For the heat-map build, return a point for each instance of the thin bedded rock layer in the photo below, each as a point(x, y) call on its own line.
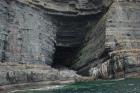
point(122, 42)
point(17, 74)
point(70, 7)
point(27, 35)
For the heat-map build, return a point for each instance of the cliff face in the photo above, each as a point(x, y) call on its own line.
point(122, 42)
point(47, 32)
point(69, 38)
point(93, 46)
point(79, 34)
point(27, 34)
point(29, 28)
point(70, 7)
point(123, 35)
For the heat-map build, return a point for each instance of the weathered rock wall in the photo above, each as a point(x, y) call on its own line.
point(71, 34)
point(123, 32)
point(123, 23)
point(93, 48)
point(70, 7)
point(19, 73)
point(27, 34)
point(28, 28)
point(77, 33)
point(3, 23)
point(72, 30)
point(122, 42)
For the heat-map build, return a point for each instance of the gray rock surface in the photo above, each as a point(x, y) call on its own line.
point(17, 73)
point(27, 35)
point(122, 33)
point(94, 45)
point(70, 7)
point(79, 34)
point(122, 40)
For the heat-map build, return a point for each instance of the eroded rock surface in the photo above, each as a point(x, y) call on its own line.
point(70, 7)
point(31, 32)
point(27, 35)
point(80, 34)
point(122, 42)
point(18, 73)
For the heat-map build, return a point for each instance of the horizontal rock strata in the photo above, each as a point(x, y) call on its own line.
point(17, 73)
point(79, 34)
point(122, 42)
point(70, 7)
point(27, 35)
point(31, 31)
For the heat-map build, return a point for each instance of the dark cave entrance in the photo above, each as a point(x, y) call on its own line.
point(71, 32)
point(64, 56)
point(70, 38)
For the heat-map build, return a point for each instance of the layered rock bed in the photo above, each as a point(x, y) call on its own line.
point(23, 73)
point(28, 76)
point(83, 40)
point(21, 76)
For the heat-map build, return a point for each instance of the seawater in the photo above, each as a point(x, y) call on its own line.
point(100, 86)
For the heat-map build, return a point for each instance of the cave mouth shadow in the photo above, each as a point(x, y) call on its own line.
point(71, 36)
point(64, 57)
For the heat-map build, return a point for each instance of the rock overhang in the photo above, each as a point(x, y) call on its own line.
point(70, 7)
